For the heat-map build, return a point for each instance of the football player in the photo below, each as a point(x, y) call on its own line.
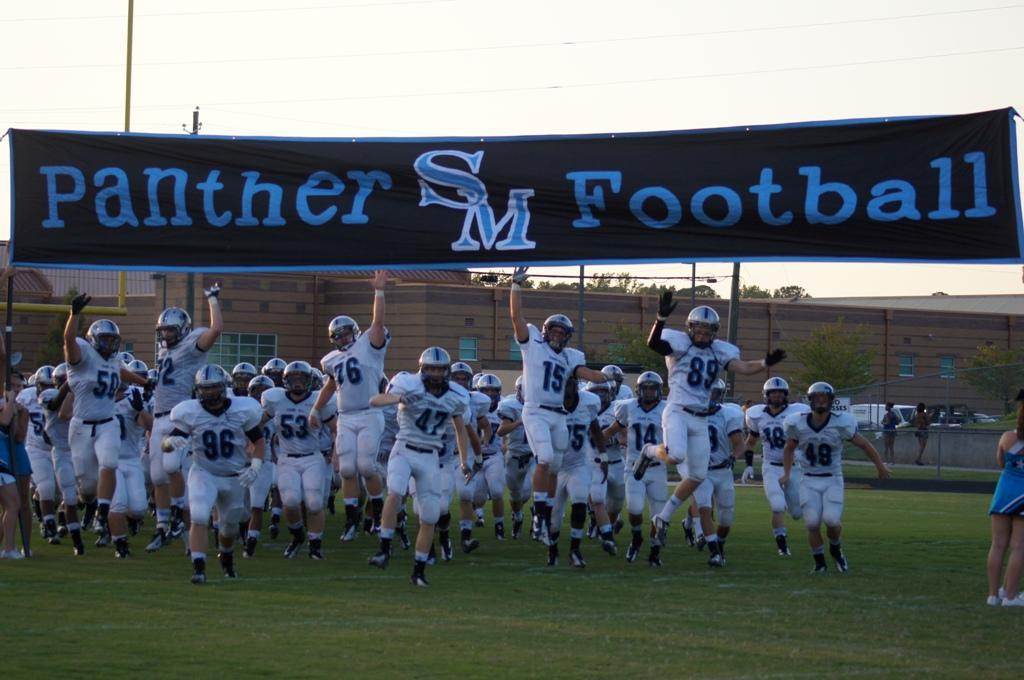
point(614, 374)
point(354, 370)
point(491, 483)
point(766, 422)
point(300, 464)
point(56, 425)
point(520, 462)
point(602, 470)
point(548, 364)
point(647, 478)
point(817, 438)
point(478, 419)
point(94, 372)
point(274, 369)
point(574, 476)
point(260, 489)
point(427, 402)
point(725, 433)
point(182, 351)
point(216, 427)
point(694, 359)
point(38, 447)
point(135, 418)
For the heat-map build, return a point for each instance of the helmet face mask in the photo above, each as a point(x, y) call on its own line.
point(490, 385)
point(258, 385)
point(702, 325)
point(648, 387)
point(211, 386)
point(461, 374)
point(776, 392)
point(297, 378)
point(613, 372)
point(435, 368)
point(602, 391)
point(172, 326)
point(274, 369)
point(343, 332)
point(105, 337)
point(44, 378)
point(820, 396)
point(556, 331)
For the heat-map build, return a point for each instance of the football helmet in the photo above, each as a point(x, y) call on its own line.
point(274, 369)
point(475, 382)
point(211, 385)
point(432, 359)
point(817, 390)
point(139, 368)
point(318, 379)
point(105, 337)
point(60, 374)
point(343, 332)
point(702, 318)
point(126, 357)
point(648, 387)
point(298, 377)
point(44, 378)
point(718, 389)
point(775, 384)
point(557, 321)
point(490, 384)
point(241, 374)
point(519, 389)
point(258, 385)
point(461, 374)
point(613, 372)
point(603, 390)
point(153, 375)
point(172, 326)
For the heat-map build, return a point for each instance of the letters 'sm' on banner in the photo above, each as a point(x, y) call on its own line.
point(941, 188)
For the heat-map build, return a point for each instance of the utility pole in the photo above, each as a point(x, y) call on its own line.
point(582, 324)
point(190, 281)
point(734, 319)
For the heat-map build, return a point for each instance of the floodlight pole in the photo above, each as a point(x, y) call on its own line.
point(579, 313)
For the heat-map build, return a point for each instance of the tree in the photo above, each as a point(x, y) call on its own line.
point(996, 373)
point(835, 355)
point(790, 293)
point(754, 292)
point(51, 351)
point(629, 346)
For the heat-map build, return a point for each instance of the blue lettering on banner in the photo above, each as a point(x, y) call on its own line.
point(118, 191)
point(180, 177)
point(55, 197)
point(595, 199)
point(478, 210)
point(209, 188)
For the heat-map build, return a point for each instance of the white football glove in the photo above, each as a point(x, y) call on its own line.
point(747, 476)
point(249, 475)
point(172, 444)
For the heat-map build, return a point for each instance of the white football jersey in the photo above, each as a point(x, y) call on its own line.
point(821, 450)
point(357, 372)
point(545, 370)
point(219, 440)
point(55, 428)
point(511, 409)
point(493, 445)
point(642, 426)
point(612, 446)
point(578, 422)
point(771, 428)
point(178, 366)
point(693, 370)
point(94, 380)
point(133, 435)
point(477, 405)
point(295, 436)
point(36, 438)
point(721, 424)
point(423, 423)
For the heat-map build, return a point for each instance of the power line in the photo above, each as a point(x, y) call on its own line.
point(529, 88)
point(517, 46)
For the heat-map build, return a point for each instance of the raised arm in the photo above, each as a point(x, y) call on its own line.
point(515, 305)
point(377, 335)
point(72, 354)
point(749, 367)
point(209, 337)
point(665, 308)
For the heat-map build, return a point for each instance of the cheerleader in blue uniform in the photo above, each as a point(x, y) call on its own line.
point(1007, 511)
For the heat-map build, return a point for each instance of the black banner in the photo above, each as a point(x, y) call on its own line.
point(916, 189)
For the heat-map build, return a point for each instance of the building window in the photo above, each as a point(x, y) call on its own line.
point(906, 365)
point(129, 347)
point(515, 353)
point(947, 366)
point(467, 349)
point(233, 348)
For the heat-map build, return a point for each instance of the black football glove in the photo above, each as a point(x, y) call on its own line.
point(774, 357)
point(665, 304)
point(79, 303)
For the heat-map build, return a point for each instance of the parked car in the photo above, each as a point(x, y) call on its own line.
point(959, 414)
point(870, 415)
point(983, 418)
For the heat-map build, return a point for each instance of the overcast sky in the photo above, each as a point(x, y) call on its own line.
point(466, 67)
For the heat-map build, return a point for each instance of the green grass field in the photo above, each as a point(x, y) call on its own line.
point(912, 606)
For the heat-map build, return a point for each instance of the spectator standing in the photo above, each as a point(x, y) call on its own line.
point(921, 422)
point(889, 422)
